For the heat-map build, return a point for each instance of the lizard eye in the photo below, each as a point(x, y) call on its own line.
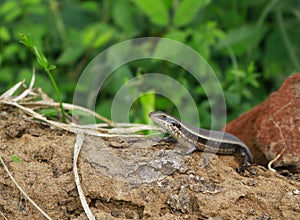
point(163, 117)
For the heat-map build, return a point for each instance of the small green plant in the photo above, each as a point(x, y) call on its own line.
point(42, 60)
point(15, 158)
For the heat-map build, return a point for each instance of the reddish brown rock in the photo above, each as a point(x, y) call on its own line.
point(273, 126)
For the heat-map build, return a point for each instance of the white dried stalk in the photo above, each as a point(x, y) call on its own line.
point(3, 216)
point(27, 91)
point(22, 191)
point(281, 152)
point(77, 147)
point(11, 91)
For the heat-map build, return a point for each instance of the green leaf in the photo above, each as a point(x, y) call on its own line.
point(252, 79)
point(40, 57)
point(49, 112)
point(51, 67)
point(177, 35)
point(238, 73)
point(155, 10)
point(4, 34)
point(102, 39)
point(97, 34)
point(123, 16)
point(11, 50)
point(187, 11)
point(71, 54)
point(10, 11)
point(15, 158)
point(148, 103)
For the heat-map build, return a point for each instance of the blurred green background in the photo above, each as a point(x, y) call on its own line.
point(252, 45)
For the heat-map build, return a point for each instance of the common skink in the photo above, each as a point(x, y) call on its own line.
point(201, 139)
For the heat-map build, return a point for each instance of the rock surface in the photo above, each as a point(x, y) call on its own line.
point(273, 127)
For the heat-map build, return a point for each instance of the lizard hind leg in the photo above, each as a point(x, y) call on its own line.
point(189, 150)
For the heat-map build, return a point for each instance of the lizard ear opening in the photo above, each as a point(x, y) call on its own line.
point(176, 125)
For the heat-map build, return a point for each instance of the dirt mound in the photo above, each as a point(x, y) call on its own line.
point(189, 187)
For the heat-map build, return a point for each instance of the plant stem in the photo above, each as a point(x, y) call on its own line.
point(58, 95)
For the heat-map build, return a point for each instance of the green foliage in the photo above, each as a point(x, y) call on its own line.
point(251, 45)
point(187, 11)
